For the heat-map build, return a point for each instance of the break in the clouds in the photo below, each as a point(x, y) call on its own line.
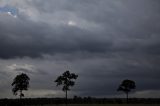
point(102, 41)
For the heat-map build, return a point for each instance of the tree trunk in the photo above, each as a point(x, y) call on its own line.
point(66, 98)
point(20, 95)
point(127, 97)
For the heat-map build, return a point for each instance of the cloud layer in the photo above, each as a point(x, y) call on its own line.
point(103, 41)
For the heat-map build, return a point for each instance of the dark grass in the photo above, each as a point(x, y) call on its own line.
point(86, 101)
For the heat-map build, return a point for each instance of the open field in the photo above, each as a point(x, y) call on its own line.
point(102, 105)
point(81, 102)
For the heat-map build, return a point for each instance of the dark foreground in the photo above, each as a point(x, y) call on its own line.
point(105, 105)
point(87, 101)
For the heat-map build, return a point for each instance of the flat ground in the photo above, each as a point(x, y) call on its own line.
point(105, 105)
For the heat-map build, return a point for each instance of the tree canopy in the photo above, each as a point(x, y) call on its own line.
point(126, 86)
point(66, 79)
point(20, 83)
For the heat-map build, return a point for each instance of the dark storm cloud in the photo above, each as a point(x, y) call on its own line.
point(22, 37)
point(104, 41)
point(103, 78)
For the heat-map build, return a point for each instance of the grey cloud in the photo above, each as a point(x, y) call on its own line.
point(123, 44)
point(27, 38)
point(103, 75)
point(21, 39)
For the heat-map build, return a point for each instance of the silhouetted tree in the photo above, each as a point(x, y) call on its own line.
point(20, 83)
point(126, 86)
point(66, 79)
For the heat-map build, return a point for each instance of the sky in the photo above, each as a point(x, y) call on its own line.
point(103, 41)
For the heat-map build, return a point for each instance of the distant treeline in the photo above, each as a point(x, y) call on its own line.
point(76, 100)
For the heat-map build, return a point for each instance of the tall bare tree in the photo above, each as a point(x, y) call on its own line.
point(20, 83)
point(126, 87)
point(67, 81)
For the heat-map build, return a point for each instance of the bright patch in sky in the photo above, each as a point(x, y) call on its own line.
point(71, 23)
point(25, 67)
point(9, 13)
point(9, 10)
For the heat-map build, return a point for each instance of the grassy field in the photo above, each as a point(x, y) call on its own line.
point(104, 105)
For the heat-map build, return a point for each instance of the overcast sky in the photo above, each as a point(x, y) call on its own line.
point(103, 41)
